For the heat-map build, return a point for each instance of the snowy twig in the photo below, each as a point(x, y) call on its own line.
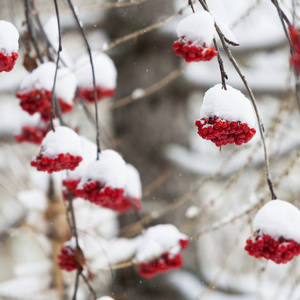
point(252, 98)
point(29, 27)
point(93, 74)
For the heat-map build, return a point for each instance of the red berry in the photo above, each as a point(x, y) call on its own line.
point(30, 134)
point(279, 250)
point(7, 62)
point(222, 132)
point(87, 94)
point(66, 259)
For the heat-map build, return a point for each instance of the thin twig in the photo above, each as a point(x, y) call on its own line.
point(252, 98)
point(76, 284)
point(93, 74)
point(221, 65)
point(89, 286)
point(191, 5)
point(29, 27)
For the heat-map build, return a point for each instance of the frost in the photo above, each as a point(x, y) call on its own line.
point(9, 38)
point(133, 187)
point(62, 140)
point(230, 105)
point(109, 170)
point(157, 240)
point(278, 218)
point(105, 71)
point(198, 28)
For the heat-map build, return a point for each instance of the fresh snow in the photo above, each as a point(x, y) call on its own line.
point(34, 199)
point(278, 218)
point(105, 298)
point(62, 140)
point(105, 71)
point(157, 240)
point(230, 105)
point(198, 28)
point(109, 170)
point(9, 38)
point(133, 187)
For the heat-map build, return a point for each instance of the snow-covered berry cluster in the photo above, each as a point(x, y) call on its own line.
point(159, 250)
point(60, 150)
point(294, 34)
point(226, 117)
point(277, 236)
point(9, 46)
point(105, 77)
point(195, 34)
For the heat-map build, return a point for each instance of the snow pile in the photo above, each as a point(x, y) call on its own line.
point(197, 28)
point(109, 170)
point(230, 105)
point(278, 218)
point(9, 38)
point(105, 71)
point(157, 240)
point(62, 140)
point(133, 187)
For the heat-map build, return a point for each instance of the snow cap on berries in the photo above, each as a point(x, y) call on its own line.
point(109, 170)
point(133, 187)
point(61, 141)
point(197, 28)
point(9, 38)
point(43, 76)
point(278, 218)
point(157, 240)
point(230, 105)
point(105, 71)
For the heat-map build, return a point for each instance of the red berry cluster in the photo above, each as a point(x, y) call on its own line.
point(191, 52)
point(69, 187)
point(123, 205)
point(295, 39)
point(66, 259)
point(96, 193)
point(222, 132)
point(88, 93)
point(55, 164)
point(279, 250)
point(31, 134)
point(7, 62)
point(163, 263)
point(40, 101)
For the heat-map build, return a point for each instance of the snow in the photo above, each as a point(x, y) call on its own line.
point(230, 105)
point(198, 28)
point(105, 71)
point(9, 38)
point(62, 140)
point(109, 170)
point(278, 218)
point(89, 153)
point(32, 268)
point(157, 240)
point(43, 77)
point(133, 187)
point(105, 298)
point(34, 199)
point(71, 243)
point(192, 212)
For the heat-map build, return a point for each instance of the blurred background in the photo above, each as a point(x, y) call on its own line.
point(210, 194)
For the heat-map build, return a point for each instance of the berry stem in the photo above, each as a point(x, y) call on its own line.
point(54, 103)
point(252, 98)
point(93, 74)
point(76, 284)
point(89, 286)
point(221, 65)
point(29, 27)
point(192, 5)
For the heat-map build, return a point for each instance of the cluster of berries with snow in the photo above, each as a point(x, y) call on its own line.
point(195, 34)
point(111, 183)
point(159, 250)
point(295, 40)
point(105, 77)
point(277, 232)
point(60, 150)
point(67, 257)
point(9, 46)
point(226, 117)
point(36, 90)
